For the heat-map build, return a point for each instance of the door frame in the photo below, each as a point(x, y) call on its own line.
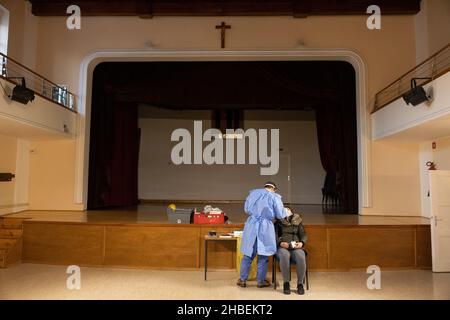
point(434, 174)
point(92, 60)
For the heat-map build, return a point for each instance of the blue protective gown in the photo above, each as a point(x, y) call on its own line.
point(262, 206)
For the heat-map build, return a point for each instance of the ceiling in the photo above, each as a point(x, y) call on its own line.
point(295, 8)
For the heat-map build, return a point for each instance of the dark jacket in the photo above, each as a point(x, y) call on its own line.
point(290, 229)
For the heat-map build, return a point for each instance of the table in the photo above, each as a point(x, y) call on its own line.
point(213, 238)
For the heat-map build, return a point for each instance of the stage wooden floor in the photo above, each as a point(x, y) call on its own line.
point(156, 213)
point(143, 238)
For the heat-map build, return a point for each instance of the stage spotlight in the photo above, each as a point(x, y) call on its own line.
point(21, 93)
point(417, 94)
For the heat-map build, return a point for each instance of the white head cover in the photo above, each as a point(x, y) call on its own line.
point(270, 185)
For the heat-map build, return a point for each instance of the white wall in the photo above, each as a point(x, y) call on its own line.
point(432, 28)
point(421, 33)
point(160, 179)
point(22, 173)
point(441, 155)
point(14, 158)
point(425, 155)
point(23, 32)
point(7, 164)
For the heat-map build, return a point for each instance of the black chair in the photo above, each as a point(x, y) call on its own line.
point(276, 259)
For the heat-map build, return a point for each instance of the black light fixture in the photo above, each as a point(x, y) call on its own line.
point(6, 177)
point(21, 93)
point(417, 94)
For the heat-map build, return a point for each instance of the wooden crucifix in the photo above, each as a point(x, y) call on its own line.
point(223, 27)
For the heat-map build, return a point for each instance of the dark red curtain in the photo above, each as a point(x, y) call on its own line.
point(125, 156)
point(337, 139)
point(114, 148)
point(114, 157)
point(325, 122)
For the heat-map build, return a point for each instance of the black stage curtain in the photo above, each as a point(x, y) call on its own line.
point(114, 149)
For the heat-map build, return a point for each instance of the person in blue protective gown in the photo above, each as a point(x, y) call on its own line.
point(258, 238)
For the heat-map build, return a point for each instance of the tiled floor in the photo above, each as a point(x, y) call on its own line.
point(30, 281)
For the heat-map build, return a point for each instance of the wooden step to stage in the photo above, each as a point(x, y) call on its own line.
point(11, 232)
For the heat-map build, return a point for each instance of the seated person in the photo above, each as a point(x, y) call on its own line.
point(291, 238)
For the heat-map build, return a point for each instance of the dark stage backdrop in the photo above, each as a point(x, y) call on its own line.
point(328, 87)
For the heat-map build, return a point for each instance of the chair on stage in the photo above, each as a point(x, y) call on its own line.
point(276, 258)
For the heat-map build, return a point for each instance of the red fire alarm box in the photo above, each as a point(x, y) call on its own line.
point(209, 218)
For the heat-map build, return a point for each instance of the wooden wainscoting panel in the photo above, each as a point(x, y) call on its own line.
point(15, 254)
point(388, 247)
point(62, 243)
point(423, 247)
point(151, 246)
point(317, 248)
point(221, 254)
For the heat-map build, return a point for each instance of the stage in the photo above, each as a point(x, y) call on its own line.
point(142, 237)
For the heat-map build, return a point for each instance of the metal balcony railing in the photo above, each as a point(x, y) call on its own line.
point(432, 68)
point(14, 71)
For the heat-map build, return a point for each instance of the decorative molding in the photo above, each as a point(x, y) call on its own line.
point(92, 60)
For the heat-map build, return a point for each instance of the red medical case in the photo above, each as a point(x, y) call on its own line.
point(209, 218)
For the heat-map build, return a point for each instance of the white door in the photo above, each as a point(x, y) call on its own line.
point(440, 219)
point(283, 178)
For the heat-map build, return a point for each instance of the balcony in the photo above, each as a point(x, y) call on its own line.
point(51, 115)
point(14, 72)
point(393, 118)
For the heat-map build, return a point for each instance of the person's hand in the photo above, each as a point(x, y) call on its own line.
point(299, 245)
point(284, 245)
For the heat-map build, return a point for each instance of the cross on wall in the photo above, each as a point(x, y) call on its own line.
point(223, 28)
